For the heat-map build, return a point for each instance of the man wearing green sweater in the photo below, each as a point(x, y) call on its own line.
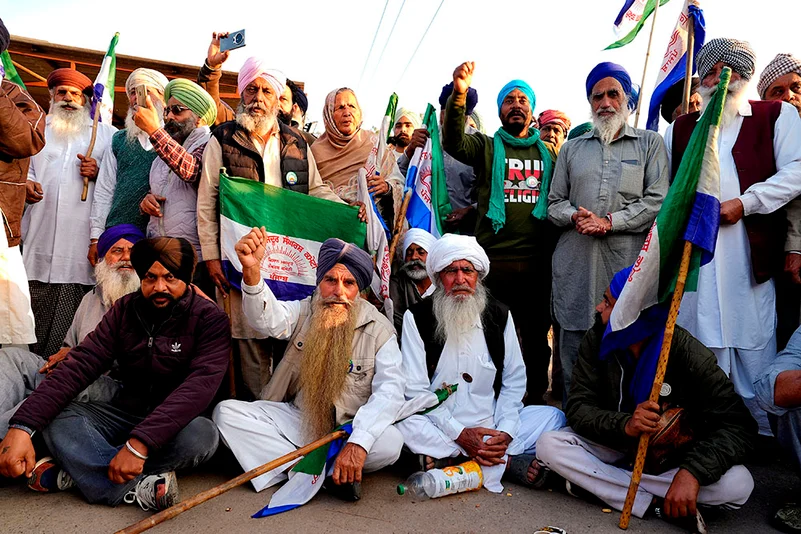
point(513, 173)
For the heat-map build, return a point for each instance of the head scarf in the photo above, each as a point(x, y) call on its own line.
point(5, 38)
point(517, 84)
point(253, 68)
point(674, 96)
point(736, 54)
point(357, 261)
point(608, 70)
point(176, 254)
point(649, 325)
point(149, 77)
point(298, 96)
point(450, 248)
point(337, 138)
point(413, 117)
point(420, 237)
point(782, 64)
point(194, 97)
point(580, 130)
point(111, 235)
point(552, 116)
point(470, 105)
point(72, 78)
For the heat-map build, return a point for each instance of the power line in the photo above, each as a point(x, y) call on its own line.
point(389, 38)
point(419, 43)
point(367, 59)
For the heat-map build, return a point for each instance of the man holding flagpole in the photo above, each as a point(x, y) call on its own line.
point(734, 310)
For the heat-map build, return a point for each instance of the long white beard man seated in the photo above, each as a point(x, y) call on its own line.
point(342, 363)
point(462, 335)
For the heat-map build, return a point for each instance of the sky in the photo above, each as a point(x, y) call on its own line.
point(327, 44)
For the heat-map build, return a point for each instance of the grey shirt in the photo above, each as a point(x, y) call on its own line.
point(627, 180)
point(87, 317)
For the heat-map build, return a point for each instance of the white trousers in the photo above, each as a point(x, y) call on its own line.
point(261, 431)
point(589, 465)
point(423, 437)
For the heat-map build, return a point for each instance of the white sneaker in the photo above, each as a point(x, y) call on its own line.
point(155, 492)
point(48, 476)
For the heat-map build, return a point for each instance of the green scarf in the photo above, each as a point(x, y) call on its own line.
point(497, 208)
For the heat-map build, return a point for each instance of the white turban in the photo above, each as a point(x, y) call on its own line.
point(253, 68)
point(149, 77)
point(413, 117)
point(419, 236)
point(450, 248)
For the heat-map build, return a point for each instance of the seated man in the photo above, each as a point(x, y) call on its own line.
point(778, 391)
point(462, 335)
point(171, 346)
point(608, 410)
point(342, 363)
point(22, 371)
point(409, 283)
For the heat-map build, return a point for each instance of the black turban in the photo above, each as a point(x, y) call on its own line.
point(472, 98)
point(5, 38)
point(298, 96)
point(176, 254)
point(357, 261)
point(674, 97)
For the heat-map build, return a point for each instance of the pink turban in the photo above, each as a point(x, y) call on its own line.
point(552, 116)
point(256, 68)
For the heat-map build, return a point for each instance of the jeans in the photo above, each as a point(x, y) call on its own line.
point(86, 436)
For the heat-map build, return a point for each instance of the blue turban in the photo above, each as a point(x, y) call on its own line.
point(114, 234)
point(618, 281)
point(517, 84)
point(472, 98)
point(609, 70)
point(357, 261)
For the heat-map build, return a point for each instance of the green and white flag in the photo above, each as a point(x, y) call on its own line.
point(10, 71)
point(104, 83)
point(631, 19)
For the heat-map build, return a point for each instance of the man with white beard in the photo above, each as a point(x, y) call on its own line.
point(462, 335)
point(258, 147)
point(734, 310)
point(342, 363)
point(607, 188)
point(410, 282)
point(124, 177)
point(22, 371)
point(57, 220)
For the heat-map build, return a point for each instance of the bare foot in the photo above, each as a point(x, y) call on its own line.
point(533, 471)
point(429, 463)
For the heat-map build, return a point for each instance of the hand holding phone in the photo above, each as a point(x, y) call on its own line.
point(233, 41)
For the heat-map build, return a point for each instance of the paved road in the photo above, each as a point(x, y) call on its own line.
point(381, 510)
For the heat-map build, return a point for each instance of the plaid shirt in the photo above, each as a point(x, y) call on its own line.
point(186, 165)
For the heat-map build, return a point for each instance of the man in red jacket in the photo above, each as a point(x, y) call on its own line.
point(171, 346)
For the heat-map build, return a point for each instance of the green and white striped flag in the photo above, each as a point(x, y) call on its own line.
point(104, 83)
point(631, 19)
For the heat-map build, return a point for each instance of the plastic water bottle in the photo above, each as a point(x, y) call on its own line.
point(436, 483)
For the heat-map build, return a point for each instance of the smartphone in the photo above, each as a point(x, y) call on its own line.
point(233, 41)
point(141, 96)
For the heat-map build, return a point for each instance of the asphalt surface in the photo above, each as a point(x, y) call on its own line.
point(517, 509)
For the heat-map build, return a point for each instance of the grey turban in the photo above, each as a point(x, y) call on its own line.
point(357, 261)
point(781, 65)
point(736, 54)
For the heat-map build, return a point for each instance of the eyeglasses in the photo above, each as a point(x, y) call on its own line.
point(175, 110)
point(467, 271)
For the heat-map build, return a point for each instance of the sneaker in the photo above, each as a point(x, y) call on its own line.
point(155, 492)
point(788, 518)
point(47, 476)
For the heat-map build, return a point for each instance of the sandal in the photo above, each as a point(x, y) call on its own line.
point(518, 471)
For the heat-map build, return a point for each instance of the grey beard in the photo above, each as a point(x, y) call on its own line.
point(132, 131)
point(608, 127)
point(734, 98)
point(115, 284)
point(258, 124)
point(456, 315)
point(68, 124)
point(415, 274)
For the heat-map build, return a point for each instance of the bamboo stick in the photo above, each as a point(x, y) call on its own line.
point(645, 67)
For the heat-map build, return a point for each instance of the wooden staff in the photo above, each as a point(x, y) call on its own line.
point(231, 376)
point(642, 448)
point(399, 224)
point(688, 72)
point(204, 496)
point(90, 150)
point(645, 67)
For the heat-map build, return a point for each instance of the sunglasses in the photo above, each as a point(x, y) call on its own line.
point(175, 110)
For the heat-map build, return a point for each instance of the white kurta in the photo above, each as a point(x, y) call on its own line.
point(16, 317)
point(730, 310)
point(55, 231)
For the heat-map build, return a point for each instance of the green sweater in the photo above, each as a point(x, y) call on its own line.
point(523, 237)
point(724, 431)
point(133, 181)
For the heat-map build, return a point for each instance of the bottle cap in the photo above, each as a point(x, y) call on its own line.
point(401, 489)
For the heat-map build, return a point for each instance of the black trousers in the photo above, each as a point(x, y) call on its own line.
point(525, 286)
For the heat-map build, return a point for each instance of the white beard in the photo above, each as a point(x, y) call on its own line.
point(608, 127)
point(68, 124)
point(415, 274)
point(734, 99)
point(457, 314)
point(132, 131)
point(115, 284)
point(258, 124)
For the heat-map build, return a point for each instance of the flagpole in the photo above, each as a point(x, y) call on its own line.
point(688, 72)
point(399, 223)
point(89, 150)
point(645, 67)
point(204, 496)
point(656, 389)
